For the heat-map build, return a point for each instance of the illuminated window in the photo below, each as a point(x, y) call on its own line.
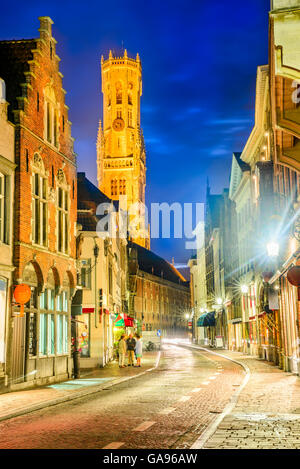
point(51, 117)
point(118, 93)
point(122, 186)
point(39, 209)
point(114, 187)
point(130, 122)
point(63, 220)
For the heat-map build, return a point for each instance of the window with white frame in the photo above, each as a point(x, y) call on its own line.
point(85, 273)
point(47, 334)
point(3, 214)
point(39, 209)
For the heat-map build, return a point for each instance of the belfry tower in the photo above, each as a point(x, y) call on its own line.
point(121, 157)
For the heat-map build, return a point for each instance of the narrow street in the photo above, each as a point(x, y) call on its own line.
point(168, 408)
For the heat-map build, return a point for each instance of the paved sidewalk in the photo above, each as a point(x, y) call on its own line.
point(17, 403)
point(267, 413)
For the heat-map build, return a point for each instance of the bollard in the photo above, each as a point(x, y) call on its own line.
point(76, 363)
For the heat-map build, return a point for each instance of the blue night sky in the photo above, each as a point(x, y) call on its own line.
point(199, 63)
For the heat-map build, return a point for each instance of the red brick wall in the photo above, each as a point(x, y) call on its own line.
point(43, 71)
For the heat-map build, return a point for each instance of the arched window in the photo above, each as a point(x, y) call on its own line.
point(118, 92)
point(47, 317)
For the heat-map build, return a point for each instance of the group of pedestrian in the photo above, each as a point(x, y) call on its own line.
point(132, 346)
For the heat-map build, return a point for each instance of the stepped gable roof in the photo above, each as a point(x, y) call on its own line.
point(14, 58)
point(88, 199)
point(151, 263)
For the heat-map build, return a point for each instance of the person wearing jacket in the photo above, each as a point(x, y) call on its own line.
point(122, 351)
point(138, 350)
point(131, 347)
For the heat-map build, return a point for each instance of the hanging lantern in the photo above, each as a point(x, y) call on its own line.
point(22, 294)
point(293, 275)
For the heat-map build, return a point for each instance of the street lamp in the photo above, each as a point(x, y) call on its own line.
point(244, 289)
point(273, 249)
point(219, 301)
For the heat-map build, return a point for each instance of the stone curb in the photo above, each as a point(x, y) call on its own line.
point(76, 395)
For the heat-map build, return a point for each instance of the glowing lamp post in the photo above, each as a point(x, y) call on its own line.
point(244, 289)
point(273, 249)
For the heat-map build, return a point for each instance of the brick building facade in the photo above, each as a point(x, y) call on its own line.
point(45, 208)
point(159, 295)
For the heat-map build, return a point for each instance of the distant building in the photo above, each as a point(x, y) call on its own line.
point(102, 275)
point(45, 209)
point(159, 294)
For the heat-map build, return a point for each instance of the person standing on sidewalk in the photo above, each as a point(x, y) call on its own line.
point(138, 350)
point(122, 351)
point(131, 347)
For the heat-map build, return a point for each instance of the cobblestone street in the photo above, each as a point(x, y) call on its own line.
point(172, 407)
point(267, 414)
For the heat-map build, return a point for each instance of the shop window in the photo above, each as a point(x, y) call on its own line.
point(62, 333)
point(47, 334)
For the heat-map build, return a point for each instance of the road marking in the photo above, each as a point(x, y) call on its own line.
point(167, 411)
point(184, 399)
point(144, 426)
point(196, 390)
point(114, 445)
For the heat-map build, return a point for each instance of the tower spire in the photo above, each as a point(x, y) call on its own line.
point(121, 156)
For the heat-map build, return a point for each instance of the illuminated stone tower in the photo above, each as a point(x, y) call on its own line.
point(121, 158)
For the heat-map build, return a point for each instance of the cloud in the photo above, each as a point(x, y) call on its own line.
point(230, 121)
point(232, 130)
point(219, 151)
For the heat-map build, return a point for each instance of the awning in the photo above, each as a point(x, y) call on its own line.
point(119, 322)
point(207, 319)
point(129, 321)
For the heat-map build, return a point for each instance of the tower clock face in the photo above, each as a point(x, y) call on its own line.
point(118, 124)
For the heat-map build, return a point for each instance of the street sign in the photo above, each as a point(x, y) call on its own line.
point(158, 333)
